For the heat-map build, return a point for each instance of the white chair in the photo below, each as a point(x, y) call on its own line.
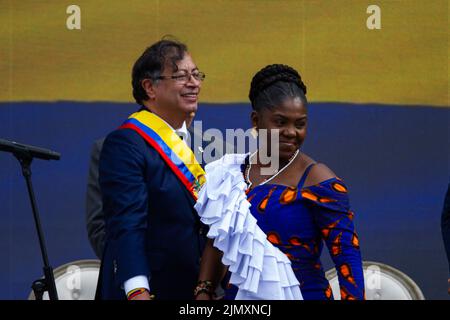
point(75, 280)
point(382, 282)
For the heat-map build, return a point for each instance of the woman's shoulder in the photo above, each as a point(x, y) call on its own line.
point(324, 188)
point(319, 173)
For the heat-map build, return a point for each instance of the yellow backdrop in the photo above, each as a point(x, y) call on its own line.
point(340, 59)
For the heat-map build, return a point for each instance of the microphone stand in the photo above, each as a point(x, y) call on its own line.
point(48, 282)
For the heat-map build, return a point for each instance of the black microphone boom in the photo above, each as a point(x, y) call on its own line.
point(34, 152)
point(25, 154)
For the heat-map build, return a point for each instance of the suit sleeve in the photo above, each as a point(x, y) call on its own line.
point(95, 219)
point(125, 201)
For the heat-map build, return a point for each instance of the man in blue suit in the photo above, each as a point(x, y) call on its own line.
point(153, 236)
point(95, 218)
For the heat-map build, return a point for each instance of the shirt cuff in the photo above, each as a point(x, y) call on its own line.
point(136, 282)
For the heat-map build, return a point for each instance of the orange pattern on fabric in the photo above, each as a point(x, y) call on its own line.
point(309, 195)
point(334, 224)
point(355, 241)
point(290, 256)
point(288, 195)
point(328, 292)
point(339, 187)
point(327, 230)
point(263, 204)
point(346, 272)
point(345, 295)
point(351, 215)
point(274, 238)
point(336, 247)
point(295, 241)
point(314, 197)
point(325, 233)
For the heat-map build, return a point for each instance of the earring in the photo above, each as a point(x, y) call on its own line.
point(254, 132)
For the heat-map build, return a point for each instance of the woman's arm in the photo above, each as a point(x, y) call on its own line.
point(339, 233)
point(211, 269)
point(330, 206)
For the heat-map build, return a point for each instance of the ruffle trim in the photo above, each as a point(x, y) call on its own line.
point(259, 270)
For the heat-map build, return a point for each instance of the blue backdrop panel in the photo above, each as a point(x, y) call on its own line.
point(395, 161)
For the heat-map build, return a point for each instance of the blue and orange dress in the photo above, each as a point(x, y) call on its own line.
point(297, 220)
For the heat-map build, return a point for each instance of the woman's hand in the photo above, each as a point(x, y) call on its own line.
point(203, 296)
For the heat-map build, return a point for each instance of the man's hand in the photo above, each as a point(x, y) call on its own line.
point(143, 296)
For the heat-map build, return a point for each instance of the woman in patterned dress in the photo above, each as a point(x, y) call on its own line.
point(300, 207)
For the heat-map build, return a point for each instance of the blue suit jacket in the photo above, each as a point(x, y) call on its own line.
point(151, 226)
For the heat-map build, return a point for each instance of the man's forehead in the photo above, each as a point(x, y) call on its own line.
point(186, 64)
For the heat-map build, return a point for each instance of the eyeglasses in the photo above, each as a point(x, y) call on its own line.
point(183, 78)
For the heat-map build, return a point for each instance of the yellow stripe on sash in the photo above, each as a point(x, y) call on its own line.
point(174, 143)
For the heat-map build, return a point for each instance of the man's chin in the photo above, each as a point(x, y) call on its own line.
point(191, 108)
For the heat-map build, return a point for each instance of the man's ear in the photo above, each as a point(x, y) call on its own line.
point(149, 87)
point(254, 116)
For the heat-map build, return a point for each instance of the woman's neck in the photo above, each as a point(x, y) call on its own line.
point(271, 164)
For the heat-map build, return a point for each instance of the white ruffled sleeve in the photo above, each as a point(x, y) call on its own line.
point(260, 270)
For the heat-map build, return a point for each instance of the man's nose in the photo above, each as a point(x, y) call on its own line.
point(192, 82)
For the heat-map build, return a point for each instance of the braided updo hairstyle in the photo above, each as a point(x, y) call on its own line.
point(273, 84)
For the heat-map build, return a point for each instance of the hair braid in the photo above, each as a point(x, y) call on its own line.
point(273, 83)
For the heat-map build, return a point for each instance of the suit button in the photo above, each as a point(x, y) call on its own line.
point(115, 266)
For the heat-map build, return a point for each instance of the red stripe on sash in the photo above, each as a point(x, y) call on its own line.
point(166, 159)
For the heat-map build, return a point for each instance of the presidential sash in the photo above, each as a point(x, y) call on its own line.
point(175, 153)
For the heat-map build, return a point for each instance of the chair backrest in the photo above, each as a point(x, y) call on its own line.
point(75, 280)
point(382, 282)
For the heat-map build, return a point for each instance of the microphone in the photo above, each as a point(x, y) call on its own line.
point(35, 152)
